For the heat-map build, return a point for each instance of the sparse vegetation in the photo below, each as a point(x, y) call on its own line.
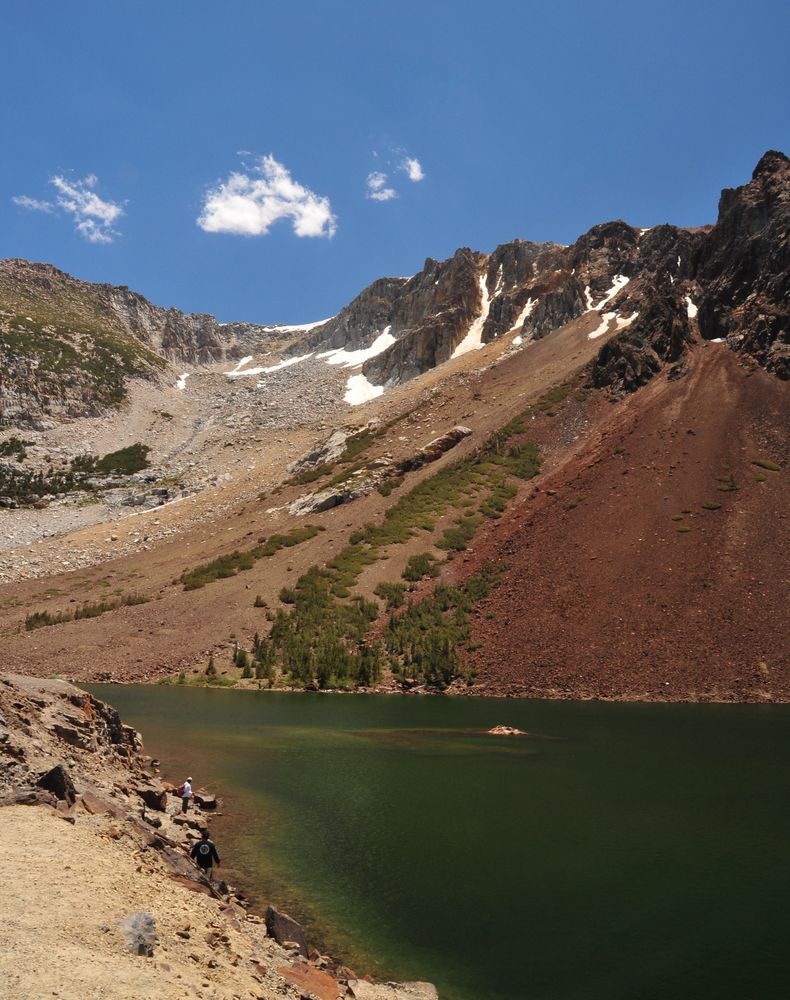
point(237, 561)
point(320, 636)
point(766, 463)
point(92, 609)
point(711, 506)
point(15, 448)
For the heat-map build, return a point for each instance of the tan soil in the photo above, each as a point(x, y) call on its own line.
point(65, 890)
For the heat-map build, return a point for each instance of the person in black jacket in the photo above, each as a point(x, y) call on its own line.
point(204, 854)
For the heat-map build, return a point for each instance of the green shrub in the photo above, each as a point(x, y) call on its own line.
point(91, 609)
point(420, 566)
point(236, 562)
point(766, 463)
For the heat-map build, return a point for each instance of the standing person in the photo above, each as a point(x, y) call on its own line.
point(185, 791)
point(205, 855)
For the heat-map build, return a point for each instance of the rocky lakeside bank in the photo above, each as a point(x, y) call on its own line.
point(101, 898)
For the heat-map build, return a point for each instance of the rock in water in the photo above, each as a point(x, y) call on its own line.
point(284, 928)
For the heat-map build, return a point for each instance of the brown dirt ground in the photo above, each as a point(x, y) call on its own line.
point(177, 629)
point(605, 596)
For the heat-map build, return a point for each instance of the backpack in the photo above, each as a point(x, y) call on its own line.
point(182, 789)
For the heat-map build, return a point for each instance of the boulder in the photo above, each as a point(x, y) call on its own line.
point(328, 451)
point(58, 781)
point(284, 928)
point(205, 800)
point(154, 797)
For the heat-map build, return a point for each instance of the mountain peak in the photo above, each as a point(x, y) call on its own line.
point(771, 162)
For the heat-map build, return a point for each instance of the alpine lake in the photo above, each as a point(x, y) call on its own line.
point(618, 851)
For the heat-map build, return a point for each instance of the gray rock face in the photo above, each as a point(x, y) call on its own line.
point(284, 928)
point(744, 267)
point(331, 449)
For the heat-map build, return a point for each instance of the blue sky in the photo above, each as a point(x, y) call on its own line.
point(124, 124)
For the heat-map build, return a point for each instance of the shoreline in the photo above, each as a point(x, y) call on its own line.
point(506, 693)
point(130, 917)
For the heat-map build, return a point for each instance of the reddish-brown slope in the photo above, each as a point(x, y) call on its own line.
point(608, 598)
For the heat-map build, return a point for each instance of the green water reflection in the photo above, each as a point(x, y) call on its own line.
point(623, 851)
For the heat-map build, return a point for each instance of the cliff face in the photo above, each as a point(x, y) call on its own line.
point(654, 287)
point(744, 268)
point(68, 348)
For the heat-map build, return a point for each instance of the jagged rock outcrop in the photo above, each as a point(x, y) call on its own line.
point(744, 268)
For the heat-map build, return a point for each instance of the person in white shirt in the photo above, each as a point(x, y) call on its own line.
point(186, 795)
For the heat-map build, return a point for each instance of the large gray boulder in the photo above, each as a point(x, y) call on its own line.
point(284, 928)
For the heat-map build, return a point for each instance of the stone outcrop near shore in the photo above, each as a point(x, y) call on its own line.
point(100, 897)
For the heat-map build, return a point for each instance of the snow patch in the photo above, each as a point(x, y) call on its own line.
point(499, 282)
point(588, 298)
point(526, 311)
point(717, 340)
point(239, 366)
point(621, 323)
point(620, 281)
point(286, 363)
point(473, 340)
point(182, 381)
point(518, 340)
point(301, 326)
point(352, 359)
point(359, 390)
point(691, 309)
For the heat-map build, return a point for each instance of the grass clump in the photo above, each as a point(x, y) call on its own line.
point(711, 506)
point(392, 593)
point(420, 566)
point(91, 609)
point(766, 463)
point(238, 561)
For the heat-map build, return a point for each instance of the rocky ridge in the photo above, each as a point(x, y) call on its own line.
point(646, 287)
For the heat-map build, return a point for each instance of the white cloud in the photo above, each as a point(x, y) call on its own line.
point(93, 216)
point(249, 204)
point(413, 168)
point(33, 204)
point(377, 188)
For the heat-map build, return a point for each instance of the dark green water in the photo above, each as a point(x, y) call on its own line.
point(638, 851)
